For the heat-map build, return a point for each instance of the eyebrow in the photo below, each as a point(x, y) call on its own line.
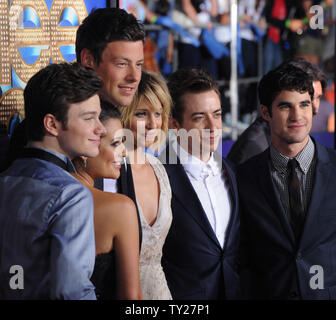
point(126, 59)
point(86, 113)
point(146, 110)
point(201, 113)
point(305, 101)
point(291, 103)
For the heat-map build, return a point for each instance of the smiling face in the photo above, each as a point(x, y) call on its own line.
point(81, 136)
point(111, 152)
point(203, 116)
point(146, 124)
point(120, 68)
point(290, 122)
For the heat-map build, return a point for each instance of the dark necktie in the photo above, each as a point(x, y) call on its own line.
point(295, 199)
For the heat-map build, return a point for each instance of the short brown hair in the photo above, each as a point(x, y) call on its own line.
point(106, 25)
point(188, 80)
point(52, 90)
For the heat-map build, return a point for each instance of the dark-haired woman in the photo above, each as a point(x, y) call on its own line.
point(116, 273)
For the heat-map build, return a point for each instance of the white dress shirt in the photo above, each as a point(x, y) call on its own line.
point(208, 181)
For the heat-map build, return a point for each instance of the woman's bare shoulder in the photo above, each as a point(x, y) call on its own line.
point(113, 204)
point(114, 216)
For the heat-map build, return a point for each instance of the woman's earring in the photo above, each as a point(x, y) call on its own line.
point(84, 163)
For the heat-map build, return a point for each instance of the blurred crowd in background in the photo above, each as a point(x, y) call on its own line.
point(198, 33)
point(268, 32)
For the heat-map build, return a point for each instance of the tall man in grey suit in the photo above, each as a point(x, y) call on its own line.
point(110, 41)
point(287, 197)
point(201, 249)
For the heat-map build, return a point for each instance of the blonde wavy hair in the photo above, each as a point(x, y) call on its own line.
point(152, 88)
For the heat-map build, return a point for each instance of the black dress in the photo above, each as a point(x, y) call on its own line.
point(104, 276)
point(104, 273)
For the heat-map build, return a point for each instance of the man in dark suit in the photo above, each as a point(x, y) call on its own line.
point(201, 249)
point(110, 41)
point(257, 137)
point(287, 197)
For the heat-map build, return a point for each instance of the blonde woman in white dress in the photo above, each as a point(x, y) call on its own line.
point(147, 118)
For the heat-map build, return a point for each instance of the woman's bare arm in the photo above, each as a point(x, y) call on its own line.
point(126, 246)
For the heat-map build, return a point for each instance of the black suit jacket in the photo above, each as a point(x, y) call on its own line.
point(195, 265)
point(254, 140)
point(278, 267)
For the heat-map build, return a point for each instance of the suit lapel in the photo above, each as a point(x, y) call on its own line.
point(230, 180)
point(321, 181)
point(272, 195)
point(231, 184)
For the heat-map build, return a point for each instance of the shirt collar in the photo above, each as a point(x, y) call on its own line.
point(197, 168)
point(63, 157)
point(304, 158)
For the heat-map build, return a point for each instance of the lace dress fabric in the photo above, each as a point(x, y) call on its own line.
point(152, 278)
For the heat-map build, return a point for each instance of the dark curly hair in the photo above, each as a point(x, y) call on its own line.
point(285, 77)
point(312, 70)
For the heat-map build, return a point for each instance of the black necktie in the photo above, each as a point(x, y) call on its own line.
point(295, 199)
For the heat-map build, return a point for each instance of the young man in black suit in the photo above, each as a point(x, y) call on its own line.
point(201, 249)
point(287, 198)
point(257, 137)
